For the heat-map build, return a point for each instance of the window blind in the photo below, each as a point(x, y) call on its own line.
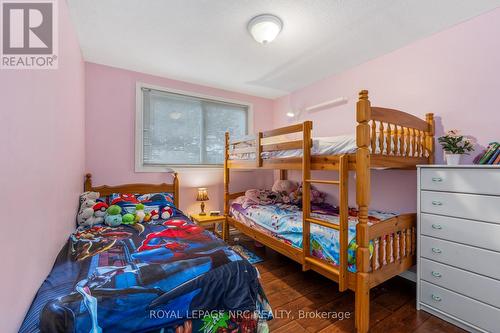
point(187, 130)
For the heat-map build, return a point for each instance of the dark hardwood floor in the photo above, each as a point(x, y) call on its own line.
point(293, 294)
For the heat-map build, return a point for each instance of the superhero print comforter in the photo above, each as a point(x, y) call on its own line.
point(166, 276)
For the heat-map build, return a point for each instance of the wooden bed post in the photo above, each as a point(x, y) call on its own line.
point(362, 298)
point(176, 190)
point(87, 185)
point(429, 118)
point(306, 191)
point(283, 174)
point(225, 225)
point(258, 150)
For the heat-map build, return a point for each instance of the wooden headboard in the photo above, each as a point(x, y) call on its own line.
point(105, 190)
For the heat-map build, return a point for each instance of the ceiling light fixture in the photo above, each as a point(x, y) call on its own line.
point(264, 28)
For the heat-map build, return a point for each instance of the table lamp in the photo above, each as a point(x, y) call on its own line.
point(202, 196)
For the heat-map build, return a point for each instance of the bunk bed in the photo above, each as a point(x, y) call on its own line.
point(385, 139)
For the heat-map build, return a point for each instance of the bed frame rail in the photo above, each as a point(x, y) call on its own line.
point(394, 242)
point(267, 141)
point(399, 134)
point(137, 188)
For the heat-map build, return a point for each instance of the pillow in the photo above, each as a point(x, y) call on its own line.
point(262, 197)
point(153, 202)
point(156, 197)
point(286, 186)
point(141, 198)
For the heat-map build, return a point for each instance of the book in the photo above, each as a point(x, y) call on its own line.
point(490, 151)
point(494, 156)
point(497, 161)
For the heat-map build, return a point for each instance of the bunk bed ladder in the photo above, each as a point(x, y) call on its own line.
point(342, 227)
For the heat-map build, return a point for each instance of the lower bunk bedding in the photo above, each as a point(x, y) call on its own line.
point(284, 222)
point(164, 276)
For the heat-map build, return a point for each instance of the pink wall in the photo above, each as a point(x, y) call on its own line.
point(110, 119)
point(453, 73)
point(42, 149)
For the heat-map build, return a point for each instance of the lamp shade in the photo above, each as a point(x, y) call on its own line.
point(202, 194)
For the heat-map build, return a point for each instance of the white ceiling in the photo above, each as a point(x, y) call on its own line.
point(206, 41)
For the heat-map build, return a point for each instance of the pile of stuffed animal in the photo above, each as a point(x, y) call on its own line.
point(283, 191)
point(95, 211)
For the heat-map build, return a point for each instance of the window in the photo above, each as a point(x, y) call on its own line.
point(180, 129)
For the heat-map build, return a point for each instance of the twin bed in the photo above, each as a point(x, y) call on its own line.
point(168, 275)
point(357, 248)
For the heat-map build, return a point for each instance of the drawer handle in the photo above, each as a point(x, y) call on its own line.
point(437, 203)
point(437, 179)
point(437, 226)
point(436, 298)
point(436, 250)
point(436, 274)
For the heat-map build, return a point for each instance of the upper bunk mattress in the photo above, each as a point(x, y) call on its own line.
point(284, 222)
point(331, 145)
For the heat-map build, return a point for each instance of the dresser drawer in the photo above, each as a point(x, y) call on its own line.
point(469, 206)
point(463, 282)
point(462, 256)
point(478, 314)
point(480, 234)
point(483, 181)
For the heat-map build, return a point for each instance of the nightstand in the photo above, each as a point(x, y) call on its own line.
point(207, 220)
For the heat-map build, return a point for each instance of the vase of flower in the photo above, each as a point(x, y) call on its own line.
point(455, 145)
point(452, 159)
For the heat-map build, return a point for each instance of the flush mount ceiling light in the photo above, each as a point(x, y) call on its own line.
point(264, 28)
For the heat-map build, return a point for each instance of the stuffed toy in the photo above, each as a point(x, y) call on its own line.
point(128, 219)
point(89, 196)
point(166, 212)
point(155, 215)
point(317, 197)
point(296, 196)
point(286, 186)
point(139, 213)
point(88, 204)
point(147, 218)
point(85, 216)
point(113, 216)
point(99, 211)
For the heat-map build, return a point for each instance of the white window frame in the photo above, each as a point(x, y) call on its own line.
point(139, 130)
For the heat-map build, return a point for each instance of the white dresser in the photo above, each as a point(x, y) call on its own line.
point(458, 249)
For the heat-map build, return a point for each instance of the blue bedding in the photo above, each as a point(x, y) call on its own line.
point(284, 222)
point(165, 276)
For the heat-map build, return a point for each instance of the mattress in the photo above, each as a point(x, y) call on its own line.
point(284, 222)
point(332, 145)
point(321, 146)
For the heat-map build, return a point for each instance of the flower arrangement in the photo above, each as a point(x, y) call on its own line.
point(455, 143)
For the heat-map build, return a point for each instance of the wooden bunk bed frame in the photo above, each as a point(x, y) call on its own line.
point(385, 138)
